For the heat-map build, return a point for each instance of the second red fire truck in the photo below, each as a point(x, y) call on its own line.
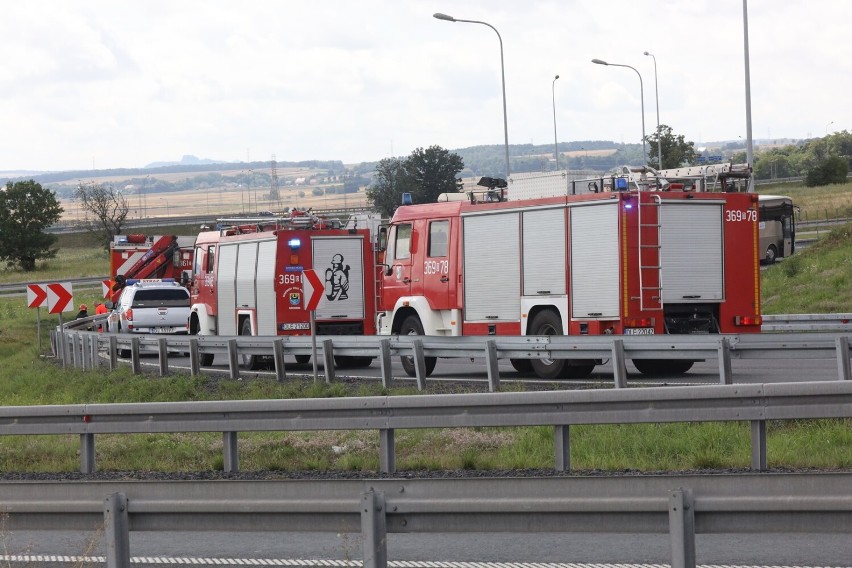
point(247, 280)
point(620, 261)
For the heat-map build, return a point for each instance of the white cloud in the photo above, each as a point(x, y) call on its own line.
point(121, 84)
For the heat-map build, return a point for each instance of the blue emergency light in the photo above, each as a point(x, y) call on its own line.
point(294, 243)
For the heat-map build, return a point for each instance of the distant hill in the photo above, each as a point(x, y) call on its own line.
point(187, 160)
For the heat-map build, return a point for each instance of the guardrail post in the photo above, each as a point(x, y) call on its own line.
point(619, 365)
point(374, 529)
point(682, 528)
point(194, 357)
point(85, 353)
point(163, 352)
point(419, 364)
point(758, 445)
point(278, 358)
point(328, 359)
point(87, 453)
point(134, 356)
point(113, 353)
point(68, 352)
point(843, 368)
point(726, 376)
point(96, 348)
point(385, 362)
point(387, 450)
point(233, 365)
point(562, 445)
point(117, 531)
point(231, 458)
point(77, 344)
point(491, 363)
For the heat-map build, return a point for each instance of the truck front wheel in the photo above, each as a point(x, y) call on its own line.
point(205, 359)
point(248, 362)
point(412, 326)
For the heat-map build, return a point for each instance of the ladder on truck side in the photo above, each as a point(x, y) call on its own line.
point(650, 252)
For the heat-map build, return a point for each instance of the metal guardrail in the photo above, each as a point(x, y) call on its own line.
point(755, 403)
point(77, 347)
point(808, 322)
point(806, 503)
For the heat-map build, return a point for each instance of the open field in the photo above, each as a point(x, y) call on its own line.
point(224, 201)
point(824, 202)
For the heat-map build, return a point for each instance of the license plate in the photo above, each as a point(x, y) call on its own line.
point(294, 326)
point(639, 331)
point(163, 330)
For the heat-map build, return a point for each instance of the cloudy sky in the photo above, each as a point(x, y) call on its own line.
point(112, 83)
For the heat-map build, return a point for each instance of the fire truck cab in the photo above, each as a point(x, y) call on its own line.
point(622, 262)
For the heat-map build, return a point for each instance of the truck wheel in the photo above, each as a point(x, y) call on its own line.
point(204, 359)
point(522, 366)
point(547, 323)
point(248, 362)
point(412, 326)
point(303, 359)
point(662, 367)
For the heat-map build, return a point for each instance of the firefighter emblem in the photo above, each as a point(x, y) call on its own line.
point(295, 298)
point(337, 279)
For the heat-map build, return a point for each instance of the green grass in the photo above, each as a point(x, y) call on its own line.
point(814, 280)
point(817, 279)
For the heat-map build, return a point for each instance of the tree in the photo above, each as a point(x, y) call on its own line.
point(106, 209)
point(433, 172)
point(26, 210)
point(677, 151)
point(390, 181)
point(832, 170)
point(425, 174)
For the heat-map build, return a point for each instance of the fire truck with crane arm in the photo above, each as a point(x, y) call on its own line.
point(247, 280)
point(144, 257)
point(607, 256)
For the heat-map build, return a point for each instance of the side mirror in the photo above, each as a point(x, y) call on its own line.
point(110, 305)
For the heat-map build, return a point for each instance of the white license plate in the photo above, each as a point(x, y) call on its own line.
point(639, 331)
point(163, 330)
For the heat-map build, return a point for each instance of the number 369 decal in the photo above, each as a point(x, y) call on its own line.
point(749, 215)
point(436, 267)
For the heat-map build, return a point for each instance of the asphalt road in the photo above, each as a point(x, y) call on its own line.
point(441, 550)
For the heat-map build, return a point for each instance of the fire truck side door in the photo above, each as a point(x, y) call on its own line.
point(436, 264)
point(396, 280)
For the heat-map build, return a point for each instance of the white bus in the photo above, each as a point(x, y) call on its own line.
point(777, 227)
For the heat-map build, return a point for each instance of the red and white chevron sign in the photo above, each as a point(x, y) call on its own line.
point(59, 298)
point(36, 295)
point(106, 288)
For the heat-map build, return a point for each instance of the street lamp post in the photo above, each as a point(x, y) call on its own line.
point(447, 18)
point(641, 99)
point(657, 96)
point(555, 143)
point(826, 127)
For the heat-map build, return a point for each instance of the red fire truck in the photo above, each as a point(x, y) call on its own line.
point(247, 280)
point(147, 257)
point(605, 257)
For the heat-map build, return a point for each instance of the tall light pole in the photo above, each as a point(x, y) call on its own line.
point(657, 96)
point(749, 143)
point(826, 127)
point(555, 143)
point(641, 99)
point(447, 18)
